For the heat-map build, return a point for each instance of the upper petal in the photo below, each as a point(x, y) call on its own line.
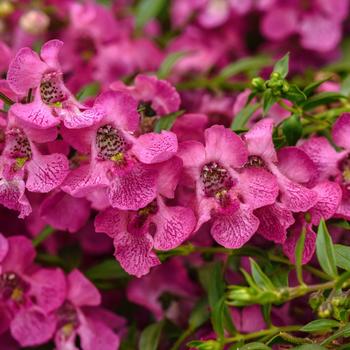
point(111, 221)
point(154, 148)
point(225, 146)
point(257, 187)
point(81, 291)
point(49, 52)
point(133, 188)
point(341, 131)
point(259, 140)
point(25, 71)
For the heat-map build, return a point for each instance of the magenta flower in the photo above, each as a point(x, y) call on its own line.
point(28, 294)
point(24, 167)
point(52, 101)
point(80, 315)
point(156, 225)
point(146, 291)
point(226, 191)
point(120, 163)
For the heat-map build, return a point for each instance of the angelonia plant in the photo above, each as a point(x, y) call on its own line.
point(174, 175)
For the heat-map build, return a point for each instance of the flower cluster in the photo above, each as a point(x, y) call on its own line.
point(163, 165)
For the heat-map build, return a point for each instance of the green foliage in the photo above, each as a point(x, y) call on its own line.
point(325, 250)
point(166, 122)
point(282, 66)
point(150, 336)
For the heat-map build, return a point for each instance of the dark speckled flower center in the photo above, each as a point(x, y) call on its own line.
point(255, 161)
point(216, 179)
point(110, 143)
point(18, 144)
point(12, 287)
point(51, 89)
point(144, 213)
point(67, 318)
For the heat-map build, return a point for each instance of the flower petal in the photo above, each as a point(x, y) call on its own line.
point(233, 230)
point(174, 225)
point(46, 172)
point(329, 195)
point(341, 131)
point(32, 326)
point(25, 71)
point(259, 140)
point(257, 187)
point(49, 52)
point(134, 253)
point(133, 188)
point(82, 292)
point(274, 221)
point(225, 146)
point(111, 221)
point(155, 148)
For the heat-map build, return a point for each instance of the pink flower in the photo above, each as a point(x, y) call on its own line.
point(156, 225)
point(28, 294)
point(226, 191)
point(80, 315)
point(24, 167)
point(52, 100)
point(120, 163)
point(146, 291)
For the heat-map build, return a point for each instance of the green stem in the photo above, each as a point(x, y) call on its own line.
point(264, 332)
point(43, 235)
point(182, 338)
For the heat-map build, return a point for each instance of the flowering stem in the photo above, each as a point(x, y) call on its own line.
point(271, 331)
point(182, 338)
point(43, 235)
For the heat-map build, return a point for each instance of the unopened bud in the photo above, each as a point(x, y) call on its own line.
point(275, 76)
point(34, 22)
point(210, 345)
point(258, 83)
point(325, 310)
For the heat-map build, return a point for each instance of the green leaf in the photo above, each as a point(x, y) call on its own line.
point(89, 90)
point(240, 120)
point(320, 325)
point(108, 269)
point(292, 129)
point(199, 315)
point(345, 86)
point(295, 95)
point(150, 336)
point(299, 255)
point(322, 98)
point(147, 10)
point(166, 122)
point(343, 332)
point(255, 346)
point(309, 347)
point(245, 64)
point(217, 318)
point(260, 277)
point(282, 66)
point(211, 279)
point(342, 256)
point(325, 250)
point(309, 89)
point(268, 101)
point(168, 63)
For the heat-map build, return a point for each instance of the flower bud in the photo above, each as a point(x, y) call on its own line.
point(325, 310)
point(34, 22)
point(315, 300)
point(275, 76)
point(258, 83)
point(210, 345)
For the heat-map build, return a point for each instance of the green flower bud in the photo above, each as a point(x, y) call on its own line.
point(325, 310)
point(285, 86)
point(258, 83)
point(315, 300)
point(275, 76)
point(210, 345)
